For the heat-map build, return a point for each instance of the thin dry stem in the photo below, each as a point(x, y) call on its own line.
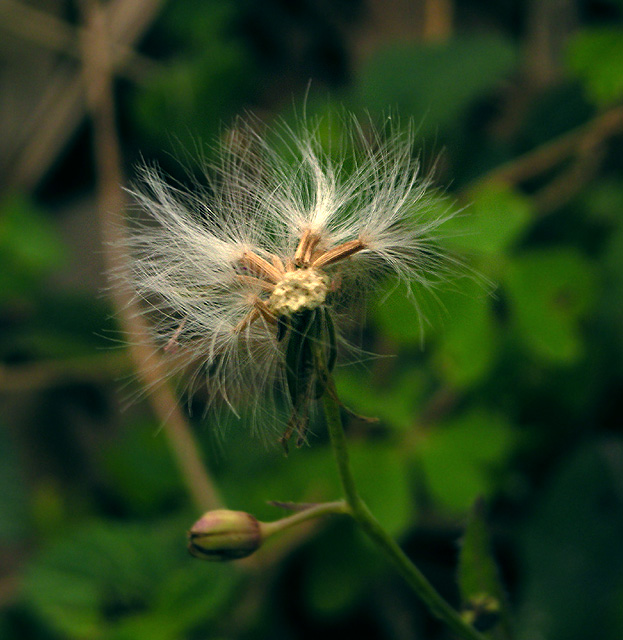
point(61, 110)
point(47, 30)
point(111, 201)
point(550, 154)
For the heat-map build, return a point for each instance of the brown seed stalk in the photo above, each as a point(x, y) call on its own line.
point(308, 242)
point(257, 282)
point(251, 317)
point(260, 309)
point(340, 252)
point(258, 265)
point(172, 344)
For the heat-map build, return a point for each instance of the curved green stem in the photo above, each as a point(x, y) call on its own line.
point(321, 509)
point(370, 525)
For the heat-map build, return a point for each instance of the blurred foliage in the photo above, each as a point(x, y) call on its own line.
point(437, 83)
point(504, 390)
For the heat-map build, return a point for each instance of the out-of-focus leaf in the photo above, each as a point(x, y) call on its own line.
point(604, 200)
point(493, 222)
point(120, 581)
point(461, 457)
point(482, 593)
point(402, 316)
point(395, 403)
point(311, 475)
point(572, 560)
point(595, 56)
point(189, 97)
point(256, 475)
point(60, 326)
point(382, 479)
point(13, 509)
point(340, 570)
point(468, 336)
point(140, 467)
point(612, 304)
point(29, 246)
point(549, 291)
point(436, 83)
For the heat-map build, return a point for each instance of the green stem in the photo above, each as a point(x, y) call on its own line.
point(322, 509)
point(370, 525)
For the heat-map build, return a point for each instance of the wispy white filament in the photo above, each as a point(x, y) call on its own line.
point(365, 206)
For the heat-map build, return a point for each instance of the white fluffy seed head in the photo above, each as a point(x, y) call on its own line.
point(199, 261)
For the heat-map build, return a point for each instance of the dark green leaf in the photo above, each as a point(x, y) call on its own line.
point(482, 593)
point(492, 223)
point(468, 335)
point(13, 497)
point(140, 470)
point(395, 399)
point(461, 457)
point(550, 290)
point(572, 558)
point(121, 581)
point(595, 56)
point(30, 247)
point(436, 83)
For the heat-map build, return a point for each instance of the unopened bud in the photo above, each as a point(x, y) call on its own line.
point(482, 612)
point(224, 535)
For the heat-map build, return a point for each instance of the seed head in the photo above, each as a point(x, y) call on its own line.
point(252, 276)
point(298, 290)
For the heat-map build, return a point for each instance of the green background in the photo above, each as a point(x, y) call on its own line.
point(509, 392)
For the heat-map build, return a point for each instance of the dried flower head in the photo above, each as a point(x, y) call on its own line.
point(253, 274)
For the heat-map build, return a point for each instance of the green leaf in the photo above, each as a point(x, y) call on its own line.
point(139, 467)
point(188, 97)
point(60, 326)
point(107, 580)
point(461, 458)
point(13, 497)
point(570, 552)
point(468, 338)
point(482, 592)
point(340, 570)
point(30, 247)
point(595, 57)
point(401, 316)
point(494, 221)
point(436, 83)
point(549, 291)
point(394, 400)
point(382, 479)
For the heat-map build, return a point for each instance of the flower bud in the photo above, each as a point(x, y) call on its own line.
point(482, 612)
point(224, 535)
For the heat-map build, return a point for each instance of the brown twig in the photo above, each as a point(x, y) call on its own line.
point(437, 20)
point(62, 108)
point(37, 375)
point(583, 140)
point(48, 31)
point(111, 201)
